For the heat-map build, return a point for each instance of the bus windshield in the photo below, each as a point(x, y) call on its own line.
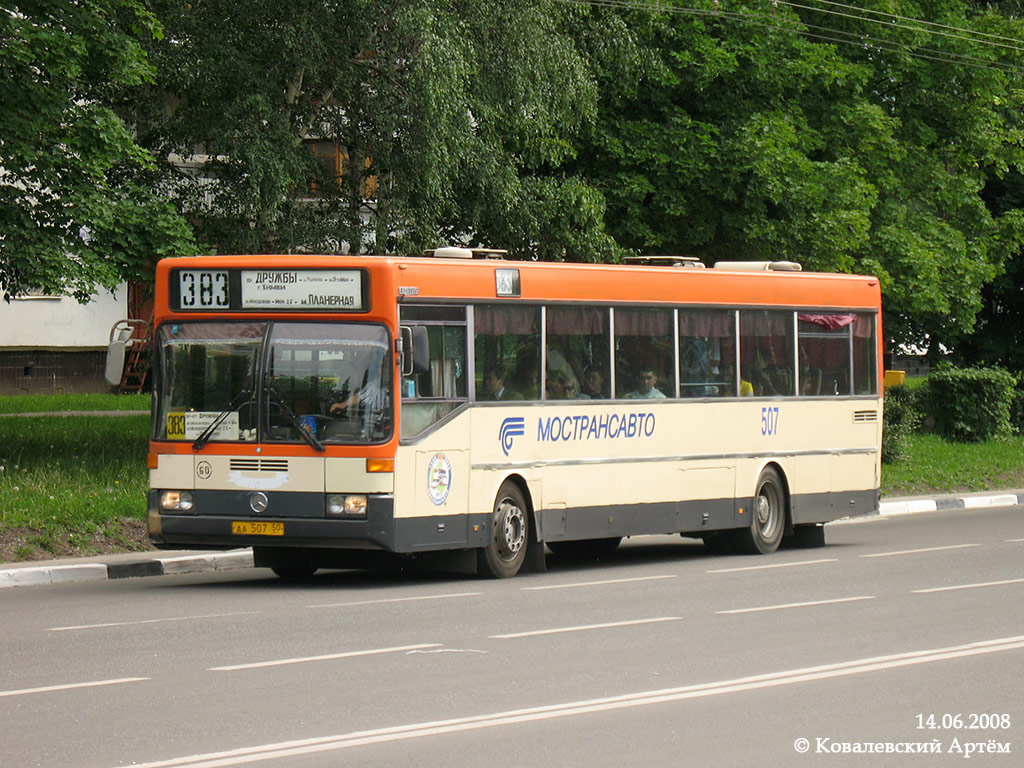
point(274, 382)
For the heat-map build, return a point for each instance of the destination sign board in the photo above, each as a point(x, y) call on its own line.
point(289, 290)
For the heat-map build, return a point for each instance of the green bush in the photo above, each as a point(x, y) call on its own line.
point(1017, 407)
point(970, 404)
point(900, 419)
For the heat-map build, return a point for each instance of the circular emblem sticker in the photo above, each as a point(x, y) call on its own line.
point(439, 478)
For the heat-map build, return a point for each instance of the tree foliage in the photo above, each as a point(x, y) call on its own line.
point(75, 208)
point(871, 139)
point(848, 141)
point(455, 119)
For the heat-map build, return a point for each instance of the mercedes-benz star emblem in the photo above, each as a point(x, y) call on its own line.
point(259, 502)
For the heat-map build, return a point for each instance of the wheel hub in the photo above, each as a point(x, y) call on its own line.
point(513, 529)
point(764, 511)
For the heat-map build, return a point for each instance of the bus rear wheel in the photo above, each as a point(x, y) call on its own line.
point(768, 522)
point(510, 535)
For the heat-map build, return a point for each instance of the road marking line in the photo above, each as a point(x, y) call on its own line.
point(561, 630)
point(968, 586)
point(798, 605)
point(293, 749)
point(916, 551)
point(151, 621)
point(71, 686)
point(599, 583)
point(325, 657)
point(1014, 541)
point(396, 600)
point(776, 565)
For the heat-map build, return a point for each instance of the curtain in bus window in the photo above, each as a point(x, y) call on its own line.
point(766, 353)
point(644, 354)
point(825, 346)
point(578, 353)
point(507, 341)
point(707, 353)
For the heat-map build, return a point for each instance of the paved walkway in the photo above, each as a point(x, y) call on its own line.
point(135, 564)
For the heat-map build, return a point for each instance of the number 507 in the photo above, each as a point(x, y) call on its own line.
point(770, 420)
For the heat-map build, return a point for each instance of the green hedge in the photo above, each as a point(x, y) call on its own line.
point(901, 418)
point(970, 404)
point(1017, 407)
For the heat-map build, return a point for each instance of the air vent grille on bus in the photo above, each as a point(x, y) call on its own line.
point(865, 416)
point(259, 465)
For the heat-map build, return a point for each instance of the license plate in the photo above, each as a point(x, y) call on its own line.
point(257, 529)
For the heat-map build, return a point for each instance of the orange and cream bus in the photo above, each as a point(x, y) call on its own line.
point(336, 411)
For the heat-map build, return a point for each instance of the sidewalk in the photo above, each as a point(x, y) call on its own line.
point(169, 563)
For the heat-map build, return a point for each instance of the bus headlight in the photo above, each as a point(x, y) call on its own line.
point(176, 501)
point(346, 506)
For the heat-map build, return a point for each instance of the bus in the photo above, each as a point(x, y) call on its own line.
point(343, 411)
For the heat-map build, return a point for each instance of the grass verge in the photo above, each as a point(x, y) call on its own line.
point(49, 403)
point(936, 466)
point(76, 485)
point(72, 485)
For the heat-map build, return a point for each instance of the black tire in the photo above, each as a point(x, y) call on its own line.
point(505, 553)
point(768, 517)
point(809, 536)
point(586, 549)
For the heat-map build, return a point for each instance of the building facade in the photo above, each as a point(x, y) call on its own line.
point(54, 344)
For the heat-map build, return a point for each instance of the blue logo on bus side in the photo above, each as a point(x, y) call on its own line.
point(514, 426)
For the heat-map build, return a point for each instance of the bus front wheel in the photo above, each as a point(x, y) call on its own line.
point(768, 517)
point(510, 534)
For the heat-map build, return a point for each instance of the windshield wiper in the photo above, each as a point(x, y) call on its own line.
point(207, 433)
point(307, 435)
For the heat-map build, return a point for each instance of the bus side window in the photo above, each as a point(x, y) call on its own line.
point(578, 353)
point(507, 352)
point(827, 345)
point(645, 360)
point(441, 385)
point(766, 352)
point(707, 349)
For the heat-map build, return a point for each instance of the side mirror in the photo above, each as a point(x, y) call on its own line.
point(120, 338)
point(125, 335)
point(415, 350)
point(114, 368)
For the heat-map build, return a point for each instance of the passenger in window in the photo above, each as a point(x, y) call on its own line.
point(558, 386)
point(647, 389)
point(593, 384)
point(495, 389)
point(573, 392)
point(762, 382)
point(572, 389)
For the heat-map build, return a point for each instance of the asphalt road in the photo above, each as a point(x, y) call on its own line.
point(901, 642)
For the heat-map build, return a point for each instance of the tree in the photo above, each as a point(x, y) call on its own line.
point(997, 338)
point(450, 121)
point(847, 140)
point(75, 208)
